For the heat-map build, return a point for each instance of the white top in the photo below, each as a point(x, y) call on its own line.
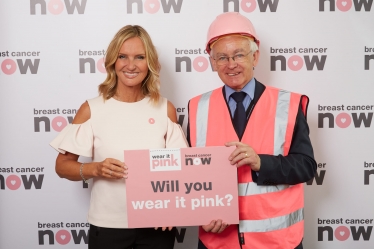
point(116, 126)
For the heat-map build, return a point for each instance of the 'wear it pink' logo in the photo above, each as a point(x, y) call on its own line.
point(165, 160)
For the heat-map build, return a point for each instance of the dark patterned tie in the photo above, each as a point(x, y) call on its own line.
point(240, 118)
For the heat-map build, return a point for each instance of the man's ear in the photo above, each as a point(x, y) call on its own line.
point(256, 57)
point(213, 63)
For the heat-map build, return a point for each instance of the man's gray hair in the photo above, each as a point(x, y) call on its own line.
point(252, 46)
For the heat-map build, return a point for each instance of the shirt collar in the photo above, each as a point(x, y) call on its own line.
point(249, 89)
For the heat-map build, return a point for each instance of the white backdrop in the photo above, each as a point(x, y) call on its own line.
point(51, 61)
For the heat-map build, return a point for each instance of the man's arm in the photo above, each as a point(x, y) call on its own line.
point(297, 167)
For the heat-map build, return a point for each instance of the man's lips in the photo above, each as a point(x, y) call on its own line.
point(232, 74)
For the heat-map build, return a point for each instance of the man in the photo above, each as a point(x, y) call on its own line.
point(274, 156)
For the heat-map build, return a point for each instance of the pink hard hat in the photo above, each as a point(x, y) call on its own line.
point(230, 23)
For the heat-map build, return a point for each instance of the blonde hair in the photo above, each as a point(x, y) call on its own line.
point(150, 84)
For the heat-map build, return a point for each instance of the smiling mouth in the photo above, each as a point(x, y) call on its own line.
point(232, 74)
point(131, 74)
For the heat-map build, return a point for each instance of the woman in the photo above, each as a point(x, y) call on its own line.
point(129, 114)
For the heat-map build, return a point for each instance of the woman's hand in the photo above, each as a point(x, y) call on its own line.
point(112, 168)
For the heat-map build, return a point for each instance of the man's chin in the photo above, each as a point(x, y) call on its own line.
point(234, 85)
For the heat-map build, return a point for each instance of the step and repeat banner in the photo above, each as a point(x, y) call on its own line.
point(51, 58)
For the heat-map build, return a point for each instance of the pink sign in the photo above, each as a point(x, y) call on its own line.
point(181, 187)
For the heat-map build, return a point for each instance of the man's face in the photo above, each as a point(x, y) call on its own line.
point(234, 74)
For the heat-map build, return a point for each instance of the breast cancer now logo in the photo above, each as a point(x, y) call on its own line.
point(344, 119)
point(153, 6)
point(165, 160)
point(345, 5)
point(296, 62)
point(198, 62)
point(57, 122)
point(14, 181)
point(250, 5)
point(197, 160)
point(93, 65)
point(23, 65)
point(351, 229)
point(63, 236)
point(56, 7)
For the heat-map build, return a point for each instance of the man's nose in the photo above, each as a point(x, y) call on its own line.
point(231, 63)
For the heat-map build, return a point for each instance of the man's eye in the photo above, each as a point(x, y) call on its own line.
point(239, 56)
point(222, 58)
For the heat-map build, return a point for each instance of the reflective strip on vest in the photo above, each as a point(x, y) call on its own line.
point(202, 119)
point(251, 188)
point(272, 224)
point(281, 121)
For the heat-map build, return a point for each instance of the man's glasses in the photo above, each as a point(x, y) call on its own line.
point(224, 60)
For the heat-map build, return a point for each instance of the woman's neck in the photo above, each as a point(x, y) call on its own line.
point(130, 94)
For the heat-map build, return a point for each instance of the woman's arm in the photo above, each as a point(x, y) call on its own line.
point(172, 113)
point(67, 165)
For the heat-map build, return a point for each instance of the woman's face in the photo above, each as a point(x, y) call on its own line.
point(131, 65)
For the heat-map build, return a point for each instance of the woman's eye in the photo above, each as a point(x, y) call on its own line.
point(121, 56)
point(140, 57)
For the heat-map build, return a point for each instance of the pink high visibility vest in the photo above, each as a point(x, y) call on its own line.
point(271, 217)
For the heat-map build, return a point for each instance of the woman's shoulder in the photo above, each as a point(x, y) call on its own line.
point(97, 100)
point(85, 111)
point(172, 112)
point(83, 114)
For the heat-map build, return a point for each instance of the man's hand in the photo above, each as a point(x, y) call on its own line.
point(244, 155)
point(215, 226)
point(164, 228)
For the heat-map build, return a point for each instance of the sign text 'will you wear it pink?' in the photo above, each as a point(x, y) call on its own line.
point(181, 187)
